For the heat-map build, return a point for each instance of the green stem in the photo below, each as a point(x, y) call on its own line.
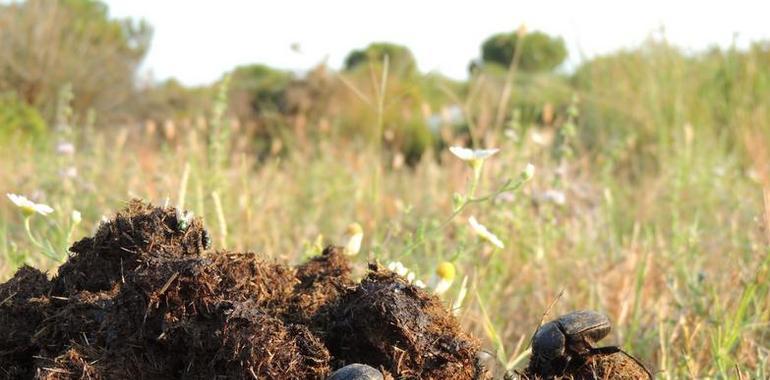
point(47, 250)
point(507, 186)
point(476, 178)
point(29, 233)
point(69, 233)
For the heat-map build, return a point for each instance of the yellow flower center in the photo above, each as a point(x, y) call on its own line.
point(446, 271)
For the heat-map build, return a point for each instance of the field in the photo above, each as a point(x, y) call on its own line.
point(649, 201)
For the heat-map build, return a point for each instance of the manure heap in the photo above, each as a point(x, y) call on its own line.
point(144, 299)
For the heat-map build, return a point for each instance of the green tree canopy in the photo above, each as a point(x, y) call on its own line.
point(258, 88)
point(400, 58)
point(540, 52)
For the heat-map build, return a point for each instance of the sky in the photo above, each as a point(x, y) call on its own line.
point(197, 41)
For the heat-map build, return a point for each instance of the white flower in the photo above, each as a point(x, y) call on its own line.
point(541, 138)
point(529, 172)
point(446, 275)
point(458, 302)
point(472, 155)
point(511, 134)
point(76, 217)
point(29, 208)
point(65, 148)
point(446, 271)
point(484, 233)
point(398, 268)
point(442, 286)
point(354, 235)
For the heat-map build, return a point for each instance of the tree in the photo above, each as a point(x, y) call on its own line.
point(540, 52)
point(256, 89)
point(46, 44)
point(400, 59)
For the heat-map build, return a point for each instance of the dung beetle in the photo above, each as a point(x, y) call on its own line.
point(557, 344)
point(356, 372)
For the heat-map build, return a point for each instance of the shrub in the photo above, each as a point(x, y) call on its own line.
point(540, 52)
point(19, 120)
point(401, 62)
point(257, 89)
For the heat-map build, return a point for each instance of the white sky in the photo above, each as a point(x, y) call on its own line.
point(197, 41)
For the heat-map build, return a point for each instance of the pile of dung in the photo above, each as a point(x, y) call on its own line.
point(617, 365)
point(388, 322)
point(612, 364)
point(143, 299)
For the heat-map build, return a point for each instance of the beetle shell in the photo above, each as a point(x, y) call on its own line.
point(356, 372)
point(557, 343)
point(580, 322)
point(549, 341)
point(583, 329)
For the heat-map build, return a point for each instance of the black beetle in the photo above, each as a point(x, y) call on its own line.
point(556, 343)
point(566, 342)
point(356, 372)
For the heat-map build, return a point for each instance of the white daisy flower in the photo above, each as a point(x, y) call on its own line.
point(29, 208)
point(398, 268)
point(65, 148)
point(484, 233)
point(76, 217)
point(458, 302)
point(446, 275)
point(529, 172)
point(354, 235)
point(541, 138)
point(472, 155)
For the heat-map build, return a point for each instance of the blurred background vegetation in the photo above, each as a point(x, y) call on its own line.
point(649, 201)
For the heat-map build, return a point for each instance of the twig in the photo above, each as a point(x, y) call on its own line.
point(8, 298)
point(548, 309)
point(168, 283)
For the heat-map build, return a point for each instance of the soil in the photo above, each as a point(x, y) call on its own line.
point(144, 299)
